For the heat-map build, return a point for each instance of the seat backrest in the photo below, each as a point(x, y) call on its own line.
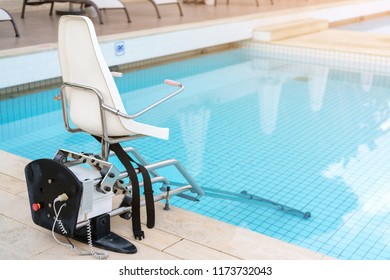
point(83, 63)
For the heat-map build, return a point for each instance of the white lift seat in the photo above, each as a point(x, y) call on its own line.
point(89, 89)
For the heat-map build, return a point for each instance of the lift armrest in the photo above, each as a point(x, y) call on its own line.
point(122, 115)
point(116, 74)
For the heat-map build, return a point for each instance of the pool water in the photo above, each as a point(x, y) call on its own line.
point(310, 137)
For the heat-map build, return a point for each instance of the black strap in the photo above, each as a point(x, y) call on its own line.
point(127, 161)
point(148, 190)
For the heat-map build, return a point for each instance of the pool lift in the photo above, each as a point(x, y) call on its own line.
point(73, 193)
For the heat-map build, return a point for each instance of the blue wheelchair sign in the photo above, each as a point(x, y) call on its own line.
point(120, 48)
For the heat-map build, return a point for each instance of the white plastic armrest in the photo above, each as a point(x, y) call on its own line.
point(117, 74)
point(168, 82)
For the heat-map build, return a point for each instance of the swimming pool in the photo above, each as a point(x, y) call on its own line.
point(304, 135)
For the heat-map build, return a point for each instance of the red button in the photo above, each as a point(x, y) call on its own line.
point(36, 207)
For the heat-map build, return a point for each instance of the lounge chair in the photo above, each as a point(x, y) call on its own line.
point(257, 2)
point(37, 3)
point(6, 16)
point(98, 5)
point(157, 3)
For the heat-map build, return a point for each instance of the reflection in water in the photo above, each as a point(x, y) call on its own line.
point(269, 93)
point(366, 80)
point(194, 125)
point(368, 176)
point(318, 77)
point(272, 78)
point(382, 116)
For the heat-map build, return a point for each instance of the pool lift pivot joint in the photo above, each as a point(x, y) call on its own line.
point(73, 195)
